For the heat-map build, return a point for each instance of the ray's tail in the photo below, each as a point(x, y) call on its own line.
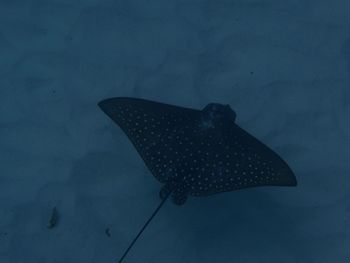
point(144, 227)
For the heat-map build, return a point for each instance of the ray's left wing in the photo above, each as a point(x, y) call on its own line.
point(154, 129)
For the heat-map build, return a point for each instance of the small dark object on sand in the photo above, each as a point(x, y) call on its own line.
point(53, 219)
point(107, 232)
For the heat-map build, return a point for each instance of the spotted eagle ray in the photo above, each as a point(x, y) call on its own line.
point(195, 152)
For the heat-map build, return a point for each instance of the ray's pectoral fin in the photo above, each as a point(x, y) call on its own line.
point(179, 195)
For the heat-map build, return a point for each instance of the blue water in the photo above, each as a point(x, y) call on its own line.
point(283, 66)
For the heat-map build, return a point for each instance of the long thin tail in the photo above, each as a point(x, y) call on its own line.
point(144, 226)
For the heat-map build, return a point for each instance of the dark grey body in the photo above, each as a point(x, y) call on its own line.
point(197, 152)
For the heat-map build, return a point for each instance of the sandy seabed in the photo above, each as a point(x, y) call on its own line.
point(283, 66)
